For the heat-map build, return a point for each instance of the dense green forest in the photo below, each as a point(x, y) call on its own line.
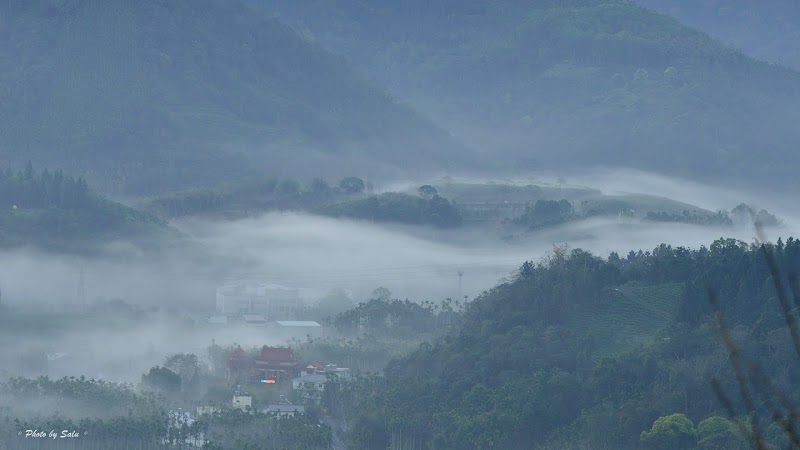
point(580, 83)
point(55, 211)
point(149, 96)
point(535, 362)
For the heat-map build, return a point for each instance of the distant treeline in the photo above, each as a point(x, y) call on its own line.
point(254, 196)
point(58, 211)
point(546, 213)
point(399, 208)
point(27, 189)
point(349, 198)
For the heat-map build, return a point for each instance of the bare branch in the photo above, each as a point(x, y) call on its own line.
point(741, 377)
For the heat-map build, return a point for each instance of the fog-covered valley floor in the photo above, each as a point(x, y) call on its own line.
point(315, 254)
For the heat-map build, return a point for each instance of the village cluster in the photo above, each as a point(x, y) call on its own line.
point(271, 306)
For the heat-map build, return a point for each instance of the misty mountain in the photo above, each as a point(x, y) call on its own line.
point(57, 212)
point(766, 30)
point(548, 84)
point(152, 95)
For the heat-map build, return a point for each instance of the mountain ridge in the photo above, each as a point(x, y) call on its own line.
point(159, 95)
point(545, 85)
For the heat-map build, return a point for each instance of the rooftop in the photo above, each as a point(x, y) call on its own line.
point(298, 323)
point(276, 354)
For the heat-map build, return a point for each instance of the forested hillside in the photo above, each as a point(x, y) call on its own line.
point(585, 82)
point(584, 352)
point(148, 96)
point(767, 30)
point(54, 211)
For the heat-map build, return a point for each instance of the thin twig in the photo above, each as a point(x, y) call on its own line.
point(726, 403)
point(741, 377)
point(771, 392)
point(783, 298)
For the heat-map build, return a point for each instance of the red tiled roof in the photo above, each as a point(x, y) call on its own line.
point(276, 354)
point(237, 353)
point(238, 359)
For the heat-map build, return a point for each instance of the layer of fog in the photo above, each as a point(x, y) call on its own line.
point(315, 254)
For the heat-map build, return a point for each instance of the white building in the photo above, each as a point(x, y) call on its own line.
point(310, 387)
point(203, 410)
point(273, 301)
point(242, 400)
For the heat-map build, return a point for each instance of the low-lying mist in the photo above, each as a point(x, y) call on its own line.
point(315, 254)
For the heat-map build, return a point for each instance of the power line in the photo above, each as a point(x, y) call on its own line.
point(362, 275)
point(366, 277)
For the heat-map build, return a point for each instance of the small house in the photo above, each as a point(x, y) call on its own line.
point(310, 387)
point(242, 400)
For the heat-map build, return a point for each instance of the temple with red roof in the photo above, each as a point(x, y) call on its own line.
point(272, 365)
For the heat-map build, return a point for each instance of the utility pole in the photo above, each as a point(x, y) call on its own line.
point(460, 276)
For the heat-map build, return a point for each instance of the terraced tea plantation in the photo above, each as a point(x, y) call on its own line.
point(631, 318)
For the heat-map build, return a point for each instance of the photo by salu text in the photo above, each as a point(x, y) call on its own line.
point(52, 434)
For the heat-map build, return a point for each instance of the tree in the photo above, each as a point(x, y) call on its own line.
point(352, 185)
point(381, 293)
point(29, 173)
point(717, 433)
point(162, 379)
point(547, 213)
point(334, 302)
point(289, 187)
point(319, 186)
point(427, 191)
point(670, 432)
point(186, 365)
point(217, 356)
